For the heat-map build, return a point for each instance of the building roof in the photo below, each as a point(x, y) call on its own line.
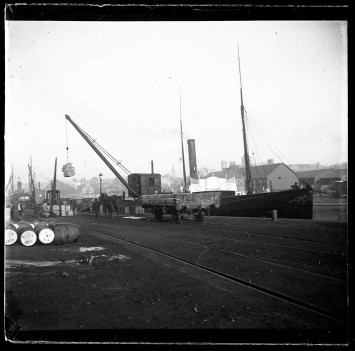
point(226, 173)
point(263, 170)
point(256, 171)
point(327, 171)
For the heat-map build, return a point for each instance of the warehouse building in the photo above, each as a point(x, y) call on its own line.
point(265, 178)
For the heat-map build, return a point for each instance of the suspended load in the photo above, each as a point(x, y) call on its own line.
point(68, 170)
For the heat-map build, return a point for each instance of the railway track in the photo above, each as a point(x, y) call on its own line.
point(257, 232)
point(296, 233)
point(329, 250)
point(158, 244)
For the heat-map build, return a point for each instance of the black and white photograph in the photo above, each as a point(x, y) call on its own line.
point(176, 175)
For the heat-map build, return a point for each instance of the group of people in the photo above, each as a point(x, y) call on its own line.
point(296, 186)
point(108, 203)
point(20, 209)
point(39, 210)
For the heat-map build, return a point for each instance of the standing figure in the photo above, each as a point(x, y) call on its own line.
point(96, 207)
point(45, 210)
point(114, 204)
point(12, 211)
point(35, 210)
point(20, 207)
point(109, 206)
point(295, 186)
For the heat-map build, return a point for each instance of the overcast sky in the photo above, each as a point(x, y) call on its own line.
point(121, 82)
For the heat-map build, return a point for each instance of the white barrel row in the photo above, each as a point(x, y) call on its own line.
point(27, 233)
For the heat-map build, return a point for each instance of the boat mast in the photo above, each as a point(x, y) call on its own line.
point(12, 182)
point(54, 186)
point(182, 147)
point(246, 155)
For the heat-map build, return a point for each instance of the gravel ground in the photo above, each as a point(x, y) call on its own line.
point(99, 289)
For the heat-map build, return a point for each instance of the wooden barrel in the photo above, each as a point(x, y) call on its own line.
point(26, 234)
point(65, 233)
point(28, 223)
point(42, 224)
point(44, 233)
point(10, 234)
point(11, 226)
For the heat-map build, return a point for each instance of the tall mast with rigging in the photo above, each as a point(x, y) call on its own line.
point(182, 146)
point(12, 181)
point(246, 154)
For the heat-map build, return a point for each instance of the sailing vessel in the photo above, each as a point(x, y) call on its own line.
point(292, 203)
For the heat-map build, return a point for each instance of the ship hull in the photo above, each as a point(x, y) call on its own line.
point(288, 204)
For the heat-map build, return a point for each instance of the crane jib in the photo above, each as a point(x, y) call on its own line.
point(101, 156)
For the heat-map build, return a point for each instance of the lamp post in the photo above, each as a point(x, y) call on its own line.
point(100, 176)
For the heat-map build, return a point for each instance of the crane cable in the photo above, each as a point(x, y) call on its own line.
point(105, 152)
point(66, 134)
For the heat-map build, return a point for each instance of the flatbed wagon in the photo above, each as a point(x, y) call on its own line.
point(176, 204)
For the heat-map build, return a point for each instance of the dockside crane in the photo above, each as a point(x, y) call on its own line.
point(148, 187)
point(108, 164)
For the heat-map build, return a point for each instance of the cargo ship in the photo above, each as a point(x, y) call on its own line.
point(295, 202)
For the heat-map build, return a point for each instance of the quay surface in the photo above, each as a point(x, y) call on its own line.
point(225, 280)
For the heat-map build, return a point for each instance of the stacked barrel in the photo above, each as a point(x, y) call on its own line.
point(27, 234)
point(11, 233)
point(44, 233)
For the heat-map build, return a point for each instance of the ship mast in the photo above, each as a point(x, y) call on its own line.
point(54, 186)
point(246, 155)
point(12, 181)
point(182, 147)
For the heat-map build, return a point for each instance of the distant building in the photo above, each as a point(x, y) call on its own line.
point(323, 177)
point(342, 165)
point(300, 167)
point(265, 178)
point(167, 182)
point(173, 173)
point(87, 190)
point(224, 164)
point(271, 177)
point(243, 161)
point(66, 191)
point(213, 184)
point(228, 179)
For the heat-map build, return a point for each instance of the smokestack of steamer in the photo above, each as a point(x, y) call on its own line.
point(192, 158)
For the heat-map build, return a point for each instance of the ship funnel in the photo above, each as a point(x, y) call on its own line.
point(152, 165)
point(192, 158)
